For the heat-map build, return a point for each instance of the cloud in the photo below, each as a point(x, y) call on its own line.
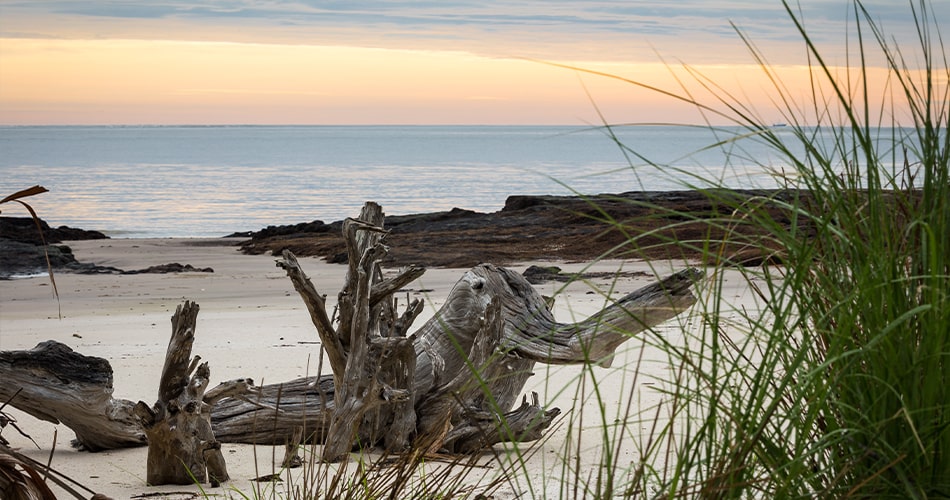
point(547, 29)
point(117, 10)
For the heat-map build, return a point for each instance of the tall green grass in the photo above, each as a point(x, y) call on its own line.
point(835, 383)
point(837, 386)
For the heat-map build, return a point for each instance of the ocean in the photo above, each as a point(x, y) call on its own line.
point(208, 181)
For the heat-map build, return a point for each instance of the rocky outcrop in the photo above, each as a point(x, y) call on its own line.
point(669, 224)
point(174, 267)
point(22, 251)
point(647, 225)
point(16, 255)
point(24, 230)
point(22, 247)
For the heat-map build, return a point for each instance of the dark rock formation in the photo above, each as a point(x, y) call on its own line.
point(22, 251)
point(540, 274)
point(648, 225)
point(174, 267)
point(21, 247)
point(18, 258)
point(669, 224)
point(23, 230)
point(317, 226)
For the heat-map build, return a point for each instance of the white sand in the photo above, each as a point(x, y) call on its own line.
point(253, 324)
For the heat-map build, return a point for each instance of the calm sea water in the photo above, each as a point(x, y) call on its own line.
point(145, 181)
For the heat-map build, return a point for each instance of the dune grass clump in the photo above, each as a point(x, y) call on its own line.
point(377, 476)
point(837, 386)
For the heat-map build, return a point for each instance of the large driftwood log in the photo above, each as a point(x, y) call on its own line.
point(451, 385)
point(529, 332)
point(59, 385)
point(469, 363)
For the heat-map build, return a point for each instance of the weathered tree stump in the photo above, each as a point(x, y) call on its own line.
point(181, 444)
point(451, 384)
point(272, 417)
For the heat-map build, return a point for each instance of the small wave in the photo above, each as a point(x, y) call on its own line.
point(24, 276)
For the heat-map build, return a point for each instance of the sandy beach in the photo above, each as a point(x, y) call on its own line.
point(253, 324)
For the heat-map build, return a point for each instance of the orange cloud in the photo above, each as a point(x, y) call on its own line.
point(47, 81)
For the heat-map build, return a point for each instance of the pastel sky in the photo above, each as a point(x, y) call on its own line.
point(387, 62)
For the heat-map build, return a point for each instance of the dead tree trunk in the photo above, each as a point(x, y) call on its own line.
point(181, 445)
point(451, 385)
point(529, 331)
point(469, 363)
point(371, 358)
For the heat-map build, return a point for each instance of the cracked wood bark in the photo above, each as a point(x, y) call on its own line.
point(181, 445)
point(373, 397)
point(59, 385)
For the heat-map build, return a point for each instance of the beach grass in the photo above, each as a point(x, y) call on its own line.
point(837, 385)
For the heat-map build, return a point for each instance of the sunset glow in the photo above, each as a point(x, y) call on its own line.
point(147, 67)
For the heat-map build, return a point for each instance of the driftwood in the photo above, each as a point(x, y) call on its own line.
point(451, 385)
point(530, 335)
point(468, 364)
point(182, 447)
point(59, 385)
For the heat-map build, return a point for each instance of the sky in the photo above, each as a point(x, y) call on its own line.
point(421, 62)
